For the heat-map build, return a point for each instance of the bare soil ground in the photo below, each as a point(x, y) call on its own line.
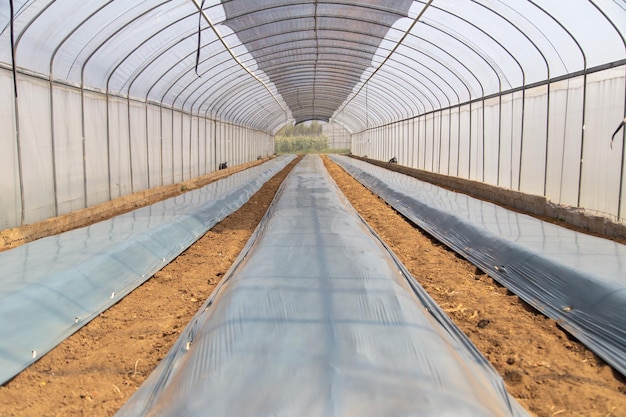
point(96, 370)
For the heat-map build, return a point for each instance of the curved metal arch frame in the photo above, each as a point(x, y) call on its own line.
point(252, 59)
point(434, 95)
point(82, 88)
point(288, 49)
point(131, 80)
point(545, 60)
point(314, 17)
point(52, 134)
point(362, 103)
point(206, 18)
point(395, 82)
point(480, 54)
point(390, 78)
point(339, 3)
point(415, 104)
point(410, 28)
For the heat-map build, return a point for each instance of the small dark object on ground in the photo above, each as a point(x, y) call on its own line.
point(258, 158)
point(224, 165)
point(393, 160)
point(483, 323)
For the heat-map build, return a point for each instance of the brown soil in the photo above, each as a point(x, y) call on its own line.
point(96, 370)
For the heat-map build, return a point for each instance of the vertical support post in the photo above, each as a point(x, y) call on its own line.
point(108, 132)
point(458, 144)
point(469, 167)
point(545, 164)
point(161, 142)
point(484, 127)
point(582, 141)
point(130, 145)
point(521, 143)
point(499, 135)
point(53, 145)
point(147, 146)
point(82, 130)
point(18, 142)
point(449, 138)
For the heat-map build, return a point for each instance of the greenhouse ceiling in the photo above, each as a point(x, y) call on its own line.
point(262, 64)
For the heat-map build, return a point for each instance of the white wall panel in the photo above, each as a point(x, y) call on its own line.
point(444, 157)
point(211, 154)
point(413, 143)
point(476, 145)
point(96, 152)
point(492, 140)
point(153, 118)
point(202, 146)
point(139, 144)
point(436, 163)
point(34, 112)
point(534, 147)
point(506, 141)
point(68, 150)
point(120, 147)
point(566, 100)
point(517, 126)
point(421, 150)
point(464, 143)
point(601, 166)
point(186, 141)
point(454, 142)
point(168, 146)
point(194, 147)
point(177, 154)
point(407, 126)
point(429, 145)
point(10, 203)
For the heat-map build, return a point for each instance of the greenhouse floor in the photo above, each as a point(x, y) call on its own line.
point(97, 369)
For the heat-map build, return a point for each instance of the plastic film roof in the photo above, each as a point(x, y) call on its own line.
point(360, 63)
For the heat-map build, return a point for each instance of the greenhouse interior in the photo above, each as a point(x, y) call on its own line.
point(459, 114)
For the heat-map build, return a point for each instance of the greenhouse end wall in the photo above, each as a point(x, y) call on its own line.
point(77, 148)
point(552, 140)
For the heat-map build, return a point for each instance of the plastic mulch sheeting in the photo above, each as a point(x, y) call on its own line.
point(318, 318)
point(53, 286)
point(577, 279)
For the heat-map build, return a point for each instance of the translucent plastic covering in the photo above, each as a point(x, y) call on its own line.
point(363, 63)
point(52, 287)
point(577, 279)
point(166, 88)
point(317, 318)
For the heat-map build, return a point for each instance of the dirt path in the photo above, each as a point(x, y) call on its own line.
point(96, 370)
